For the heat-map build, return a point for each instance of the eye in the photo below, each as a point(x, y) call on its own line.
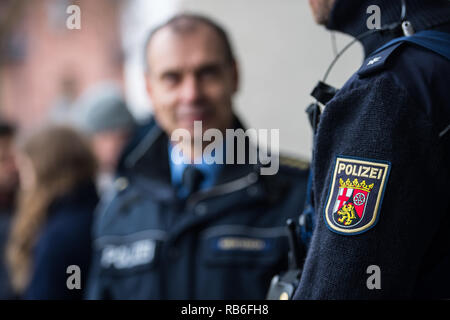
point(171, 78)
point(209, 72)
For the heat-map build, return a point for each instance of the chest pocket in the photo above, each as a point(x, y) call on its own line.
point(243, 246)
point(130, 254)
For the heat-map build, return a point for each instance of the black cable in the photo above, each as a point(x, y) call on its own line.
point(403, 15)
point(339, 54)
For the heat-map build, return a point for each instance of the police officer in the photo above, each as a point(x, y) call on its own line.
point(176, 230)
point(380, 162)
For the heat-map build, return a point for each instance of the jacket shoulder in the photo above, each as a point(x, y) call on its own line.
point(294, 166)
point(67, 228)
point(295, 163)
point(421, 73)
point(378, 62)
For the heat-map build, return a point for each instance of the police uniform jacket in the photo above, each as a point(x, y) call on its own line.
point(381, 167)
point(226, 242)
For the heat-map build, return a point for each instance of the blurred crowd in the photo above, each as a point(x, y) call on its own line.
point(51, 179)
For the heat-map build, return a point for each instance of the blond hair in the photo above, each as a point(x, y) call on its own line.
point(61, 159)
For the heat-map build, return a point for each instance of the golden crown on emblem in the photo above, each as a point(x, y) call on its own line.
point(355, 185)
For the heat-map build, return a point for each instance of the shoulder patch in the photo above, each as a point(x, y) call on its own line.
point(355, 195)
point(377, 61)
point(294, 162)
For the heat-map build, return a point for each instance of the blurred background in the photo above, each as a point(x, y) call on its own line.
point(45, 67)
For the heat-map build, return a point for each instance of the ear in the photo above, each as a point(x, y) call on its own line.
point(148, 84)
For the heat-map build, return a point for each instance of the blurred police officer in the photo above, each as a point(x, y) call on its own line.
point(182, 231)
point(103, 115)
point(381, 155)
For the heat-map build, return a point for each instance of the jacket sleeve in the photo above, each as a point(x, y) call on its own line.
point(47, 281)
point(95, 285)
point(377, 119)
point(62, 243)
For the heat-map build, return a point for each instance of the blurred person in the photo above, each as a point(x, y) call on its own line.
point(52, 226)
point(381, 159)
point(192, 230)
point(104, 115)
point(8, 189)
point(63, 110)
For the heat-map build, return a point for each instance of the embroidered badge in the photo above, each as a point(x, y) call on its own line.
point(355, 195)
point(128, 255)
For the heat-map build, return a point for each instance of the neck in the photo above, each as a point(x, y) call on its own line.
point(351, 17)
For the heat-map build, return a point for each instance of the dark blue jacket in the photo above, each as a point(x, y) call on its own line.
point(65, 240)
point(226, 242)
point(386, 128)
point(6, 291)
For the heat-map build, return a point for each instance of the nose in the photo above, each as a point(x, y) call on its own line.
point(190, 89)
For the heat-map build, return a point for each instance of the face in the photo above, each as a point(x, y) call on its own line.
point(8, 171)
point(108, 147)
point(321, 10)
point(190, 80)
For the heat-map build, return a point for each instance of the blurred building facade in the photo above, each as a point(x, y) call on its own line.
point(44, 64)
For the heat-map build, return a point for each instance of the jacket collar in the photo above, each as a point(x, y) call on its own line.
point(350, 17)
point(150, 158)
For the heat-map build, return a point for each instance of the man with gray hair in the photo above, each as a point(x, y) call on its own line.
point(193, 230)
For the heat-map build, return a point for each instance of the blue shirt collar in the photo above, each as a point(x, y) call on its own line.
point(209, 171)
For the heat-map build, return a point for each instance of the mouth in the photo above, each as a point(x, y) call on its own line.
point(187, 116)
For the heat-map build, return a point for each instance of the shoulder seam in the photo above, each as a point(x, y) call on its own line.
point(292, 162)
